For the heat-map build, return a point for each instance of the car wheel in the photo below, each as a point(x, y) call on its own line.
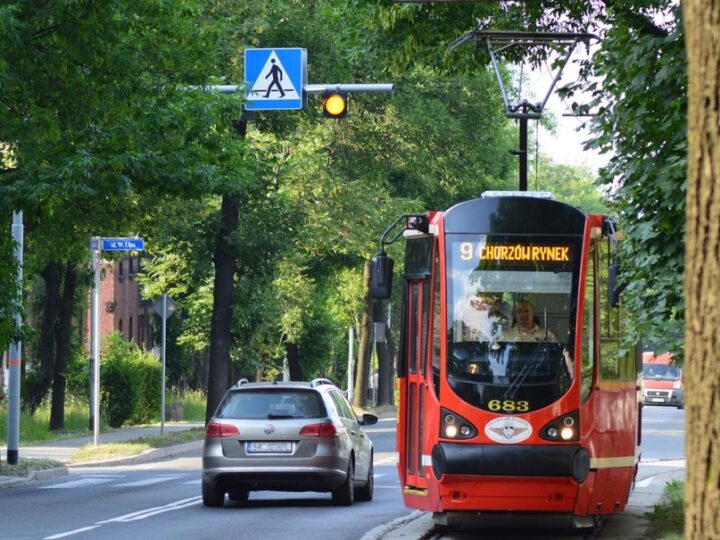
point(365, 493)
point(343, 494)
point(238, 495)
point(212, 496)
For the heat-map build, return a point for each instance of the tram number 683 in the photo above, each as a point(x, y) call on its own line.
point(508, 405)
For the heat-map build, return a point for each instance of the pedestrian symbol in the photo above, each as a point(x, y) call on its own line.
point(275, 78)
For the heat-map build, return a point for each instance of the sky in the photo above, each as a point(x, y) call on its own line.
point(565, 145)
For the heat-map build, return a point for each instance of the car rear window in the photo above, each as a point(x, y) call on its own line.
point(272, 403)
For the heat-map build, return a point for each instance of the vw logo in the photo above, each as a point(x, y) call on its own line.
point(269, 428)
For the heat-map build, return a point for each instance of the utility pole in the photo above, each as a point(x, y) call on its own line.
point(15, 353)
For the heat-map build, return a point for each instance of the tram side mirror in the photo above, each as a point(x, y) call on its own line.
point(614, 289)
point(381, 271)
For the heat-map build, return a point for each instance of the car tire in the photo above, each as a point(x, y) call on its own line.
point(365, 493)
point(343, 495)
point(212, 496)
point(238, 495)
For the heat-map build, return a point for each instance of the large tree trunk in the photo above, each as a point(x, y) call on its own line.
point(221, 323)
point(702, 271)
point(292, 352)
point(46, 348)
point(64, 330)
point(364, 345)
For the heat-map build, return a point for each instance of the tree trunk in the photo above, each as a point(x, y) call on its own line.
point(64, 331)
point(292, 351)
point(225, 265)
point(46, 348)
point(220, 330)
point(702, 272)
point(385, 371)
point(364, 344)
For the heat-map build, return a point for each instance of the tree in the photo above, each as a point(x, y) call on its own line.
point(702, 272)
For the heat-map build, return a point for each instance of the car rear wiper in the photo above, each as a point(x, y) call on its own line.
point(280, 416)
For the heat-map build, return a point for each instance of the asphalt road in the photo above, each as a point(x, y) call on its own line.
point(162, 500)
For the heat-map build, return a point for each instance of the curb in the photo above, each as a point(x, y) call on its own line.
point(42, 474)
point(154, 454)
point(381, 531)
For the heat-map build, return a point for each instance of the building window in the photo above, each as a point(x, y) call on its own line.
point(120, 328)
point(130, 329)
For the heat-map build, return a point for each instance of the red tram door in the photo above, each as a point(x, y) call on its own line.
point(417, 347)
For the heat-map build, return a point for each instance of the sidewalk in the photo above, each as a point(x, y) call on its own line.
point(63, 450)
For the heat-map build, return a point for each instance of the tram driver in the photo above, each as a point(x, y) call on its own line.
point(526, 326)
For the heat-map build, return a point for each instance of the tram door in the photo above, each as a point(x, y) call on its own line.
point(417, 373)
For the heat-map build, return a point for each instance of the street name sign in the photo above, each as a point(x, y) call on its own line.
point(119, 244)
point(275, 79)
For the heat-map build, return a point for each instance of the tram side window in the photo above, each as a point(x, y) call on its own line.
point(437, 330)
point(588, 329)
point(613, 358)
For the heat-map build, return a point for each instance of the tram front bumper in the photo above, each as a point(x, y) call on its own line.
point(505, 460)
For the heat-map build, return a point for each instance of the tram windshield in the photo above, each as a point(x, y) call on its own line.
point(510, 313)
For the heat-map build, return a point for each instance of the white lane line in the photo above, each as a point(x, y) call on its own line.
point(150, 481)
point(148, 512)
point(79, 483)
point(192, 482)
point(133, 516)
point(70, 533)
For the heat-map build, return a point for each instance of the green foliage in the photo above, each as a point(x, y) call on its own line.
point(129, 383)
point(9, 301)
point(641, 123)
point(667, 520)
point(570, 184)
point(149, 402)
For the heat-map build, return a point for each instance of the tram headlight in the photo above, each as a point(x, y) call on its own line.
point(563, 428)
point(453, 426)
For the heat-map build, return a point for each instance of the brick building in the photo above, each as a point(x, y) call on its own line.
point(121, 307)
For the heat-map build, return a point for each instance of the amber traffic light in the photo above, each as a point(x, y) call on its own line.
point(335, 105)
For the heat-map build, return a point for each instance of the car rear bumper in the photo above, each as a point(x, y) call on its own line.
point(293, 478)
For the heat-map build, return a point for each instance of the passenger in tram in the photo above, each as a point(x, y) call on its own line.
point(484, 316)
point(526, 327)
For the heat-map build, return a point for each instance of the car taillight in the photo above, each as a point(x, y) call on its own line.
point(216, 429)
point(319, 430)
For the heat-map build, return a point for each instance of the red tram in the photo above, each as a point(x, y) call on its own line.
point(516, 394)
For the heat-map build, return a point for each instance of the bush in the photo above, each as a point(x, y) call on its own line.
point(150, 370)
point(130, 383)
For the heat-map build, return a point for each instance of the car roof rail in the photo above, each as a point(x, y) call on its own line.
point(319, 381)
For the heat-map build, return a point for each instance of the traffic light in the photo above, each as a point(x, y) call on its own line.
point(335, 105)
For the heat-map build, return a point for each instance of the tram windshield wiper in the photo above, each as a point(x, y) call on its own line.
point(539, 356)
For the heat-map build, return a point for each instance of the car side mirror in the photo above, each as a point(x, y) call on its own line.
point(614, 289)
point(369, 419)
point(381, 270)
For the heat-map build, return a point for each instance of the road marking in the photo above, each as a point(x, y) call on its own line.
point(79, 483)
point(150, 481)
point(133, 516)
point(70, 533)
point(149, 512)
point(192, 482)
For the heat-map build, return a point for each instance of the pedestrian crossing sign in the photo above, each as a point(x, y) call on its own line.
point(275, 79)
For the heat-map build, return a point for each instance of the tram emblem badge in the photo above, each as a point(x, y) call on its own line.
point(508, 430)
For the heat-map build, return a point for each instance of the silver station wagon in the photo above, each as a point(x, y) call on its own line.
point(287, 436)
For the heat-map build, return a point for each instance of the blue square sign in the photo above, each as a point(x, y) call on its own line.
point(275, 79)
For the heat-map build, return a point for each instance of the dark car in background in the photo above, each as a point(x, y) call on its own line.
point(287, 436)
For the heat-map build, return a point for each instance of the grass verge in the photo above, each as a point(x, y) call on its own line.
point(25, 465)
point(667, 519)
point(137, 446)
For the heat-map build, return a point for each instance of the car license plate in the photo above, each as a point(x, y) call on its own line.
point(657, 400)
point(269, 447)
